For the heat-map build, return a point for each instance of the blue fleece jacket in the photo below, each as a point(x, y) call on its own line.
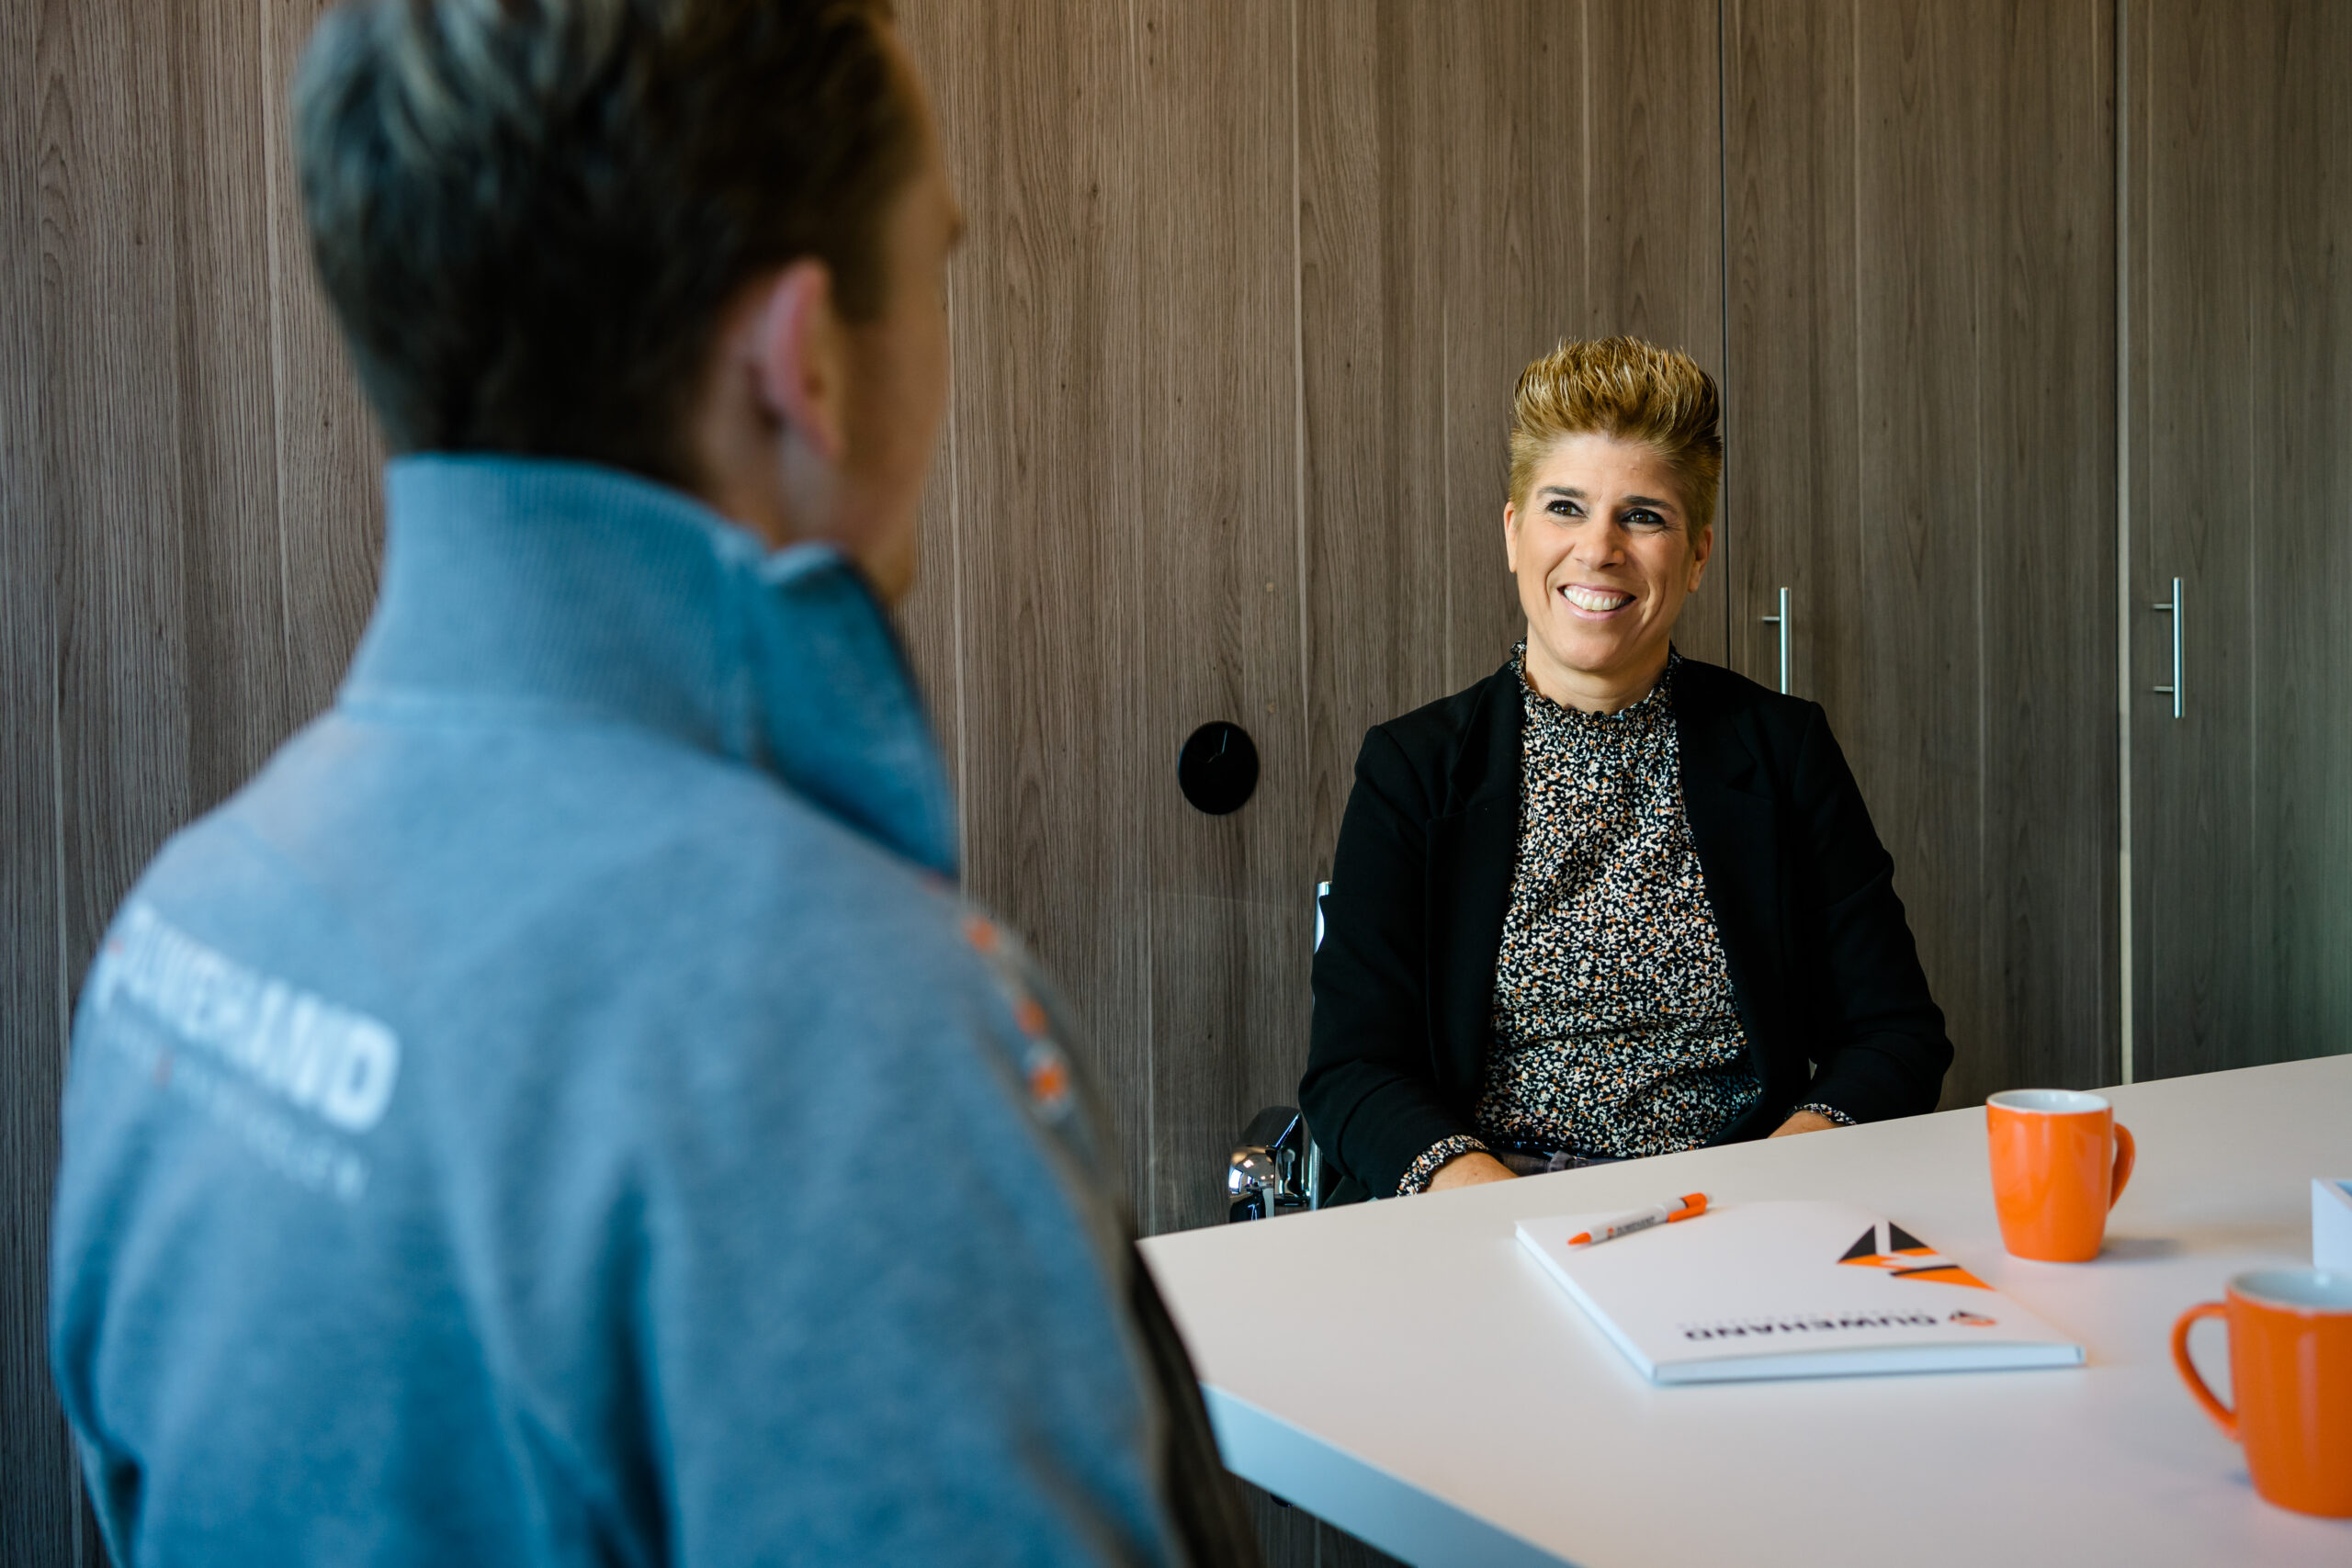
point(560, 1110)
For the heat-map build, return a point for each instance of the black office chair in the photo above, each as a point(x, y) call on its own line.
point(1276, 1169)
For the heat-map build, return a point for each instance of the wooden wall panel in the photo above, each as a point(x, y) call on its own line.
point(1654, 210)
point(1036, 105)
point(329, 455)
point(39, 1508)
point(225, 514)
point(1382, 516)
point(2051, 926)
point(1913, 711)
point(2210, 203)
point(2304, 550)
point(1517, 273)
point(1218, 544)
point(1922, 359)
point(1793, 426)
point(2243, 309)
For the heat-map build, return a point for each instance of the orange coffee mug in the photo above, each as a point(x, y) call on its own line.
point(2060, 1160)
point(2291, 1371)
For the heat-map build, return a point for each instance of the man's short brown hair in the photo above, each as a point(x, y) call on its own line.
point(1630, 390)
point(529, 214)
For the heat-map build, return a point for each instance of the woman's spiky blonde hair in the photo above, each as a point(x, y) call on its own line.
point(1624, 388)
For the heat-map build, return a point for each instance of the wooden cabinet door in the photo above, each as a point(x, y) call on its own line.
point(2240, 221)
point(1920, 266)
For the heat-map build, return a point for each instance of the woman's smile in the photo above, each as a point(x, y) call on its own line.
point(1595, 603)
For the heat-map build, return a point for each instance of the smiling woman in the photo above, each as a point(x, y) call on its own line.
point(1609, 902)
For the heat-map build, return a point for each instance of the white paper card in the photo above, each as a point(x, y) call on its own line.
point(2331, 1223)
point(1790, 1289)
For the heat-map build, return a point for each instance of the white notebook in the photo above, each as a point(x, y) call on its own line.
point(1790, 1289)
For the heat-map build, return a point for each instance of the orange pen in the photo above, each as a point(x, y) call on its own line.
point(1688, 1206)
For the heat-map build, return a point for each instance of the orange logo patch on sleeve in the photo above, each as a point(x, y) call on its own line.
point(1048, 1075)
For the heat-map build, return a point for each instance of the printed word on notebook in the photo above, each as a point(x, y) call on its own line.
point(1790, 1289)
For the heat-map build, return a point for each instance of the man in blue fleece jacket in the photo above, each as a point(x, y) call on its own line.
point(561, 1111)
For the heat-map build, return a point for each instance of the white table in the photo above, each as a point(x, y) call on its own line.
point(1406, 1371)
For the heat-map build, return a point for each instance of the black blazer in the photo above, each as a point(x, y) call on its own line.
point(1822, 970)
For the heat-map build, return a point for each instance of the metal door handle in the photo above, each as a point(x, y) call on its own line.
point(1781, 621)
point(2174, 610)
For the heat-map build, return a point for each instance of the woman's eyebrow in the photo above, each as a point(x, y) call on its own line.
point(1569, 491)
point(1646, 500)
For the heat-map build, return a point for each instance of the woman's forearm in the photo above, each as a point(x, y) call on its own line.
point(1470, 1170)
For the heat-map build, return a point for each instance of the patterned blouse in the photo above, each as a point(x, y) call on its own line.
point(1615, 1030)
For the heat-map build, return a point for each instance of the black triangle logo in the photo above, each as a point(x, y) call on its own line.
point(1904, 1241)
point(1866, 1248)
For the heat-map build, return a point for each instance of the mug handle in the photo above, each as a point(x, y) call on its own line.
point(2127, 1155)
point(2224, 1416)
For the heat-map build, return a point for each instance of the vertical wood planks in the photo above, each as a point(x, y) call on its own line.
point(1374, 209)
point(37, 1492)
point(1913, 718)
point(2243, 849)
point(2046, 561)
point(1518, 266)
point(2299, 562)
point(329, 453)
point(1922, 361)
point(1036, 104)
point(1793, 426)
point(1218, 543)
point(2304, 542)
point(2208, 103)
point(1654, 212)
point(225, 513)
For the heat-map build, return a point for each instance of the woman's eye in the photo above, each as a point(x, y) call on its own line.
point(1644, 520)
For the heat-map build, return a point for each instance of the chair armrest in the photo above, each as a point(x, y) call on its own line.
point(1274, 1168)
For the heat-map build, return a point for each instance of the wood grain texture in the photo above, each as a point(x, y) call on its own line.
point(1515, 156)
point(2243, 309)
point(2051, 923)
point(1036, 107)
point(329, 455)
point(1376, 98)
point(154, 337)
point(2304, 552)
point(1654, 210)
point(1217, 547)
point(1291, 1538)
point(1922, 362)
point(38, 1491)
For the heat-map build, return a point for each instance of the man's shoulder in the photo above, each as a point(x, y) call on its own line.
point(674, 880)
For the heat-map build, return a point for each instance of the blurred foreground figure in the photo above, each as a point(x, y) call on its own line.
point(560, 1111)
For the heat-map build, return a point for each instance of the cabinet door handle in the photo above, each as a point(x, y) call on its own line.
point(2174, 610)
point(1781, 621)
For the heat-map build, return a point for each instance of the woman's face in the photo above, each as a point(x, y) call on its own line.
point(1604, 556)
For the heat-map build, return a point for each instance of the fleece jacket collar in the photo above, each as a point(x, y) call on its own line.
point(524, 589)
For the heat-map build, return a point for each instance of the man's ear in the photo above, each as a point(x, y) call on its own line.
point(799, 362)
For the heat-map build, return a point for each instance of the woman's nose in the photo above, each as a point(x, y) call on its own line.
point(1601, 545)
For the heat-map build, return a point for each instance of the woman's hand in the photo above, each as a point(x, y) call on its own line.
point(1803, 1122)
point(1470, 1170)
